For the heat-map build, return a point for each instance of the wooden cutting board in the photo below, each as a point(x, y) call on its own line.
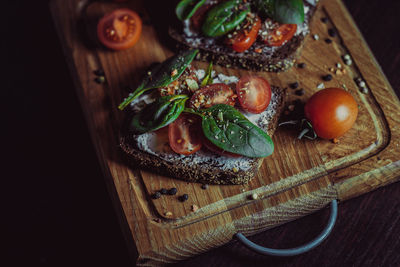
point(299, 178)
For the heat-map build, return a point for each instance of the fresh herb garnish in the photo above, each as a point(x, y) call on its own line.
point(186, 8)
point(162, 74)
point(283, 11)
point(223, 18)
point(207, 78)
point(158, 114)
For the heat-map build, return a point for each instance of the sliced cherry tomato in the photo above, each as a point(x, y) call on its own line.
point(198, 16)
point(245, 38)
point(280, 35)
point(213, 148)
point(119, 29)
point(254, 93)
point(332, 112)
point(217, 93)
point(184, 134)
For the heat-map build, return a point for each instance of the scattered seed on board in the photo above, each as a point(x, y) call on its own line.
point(194, 207)
point(204, 186)
point(184, 197)
point(327, 77)
point(321, 86)
point(300, 92)
point(100, 79)
point(156, 195)
point(324, 20)
point(172, 191)
point(99, 72)
point(168, 214)
point(328, 41)
point(316, 37)
point(301, 65)
point(163, 191)
point(294, 85)
point(332, 32)
point(254, 196)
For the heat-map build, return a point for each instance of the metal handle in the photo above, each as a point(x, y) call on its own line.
point(297, 250)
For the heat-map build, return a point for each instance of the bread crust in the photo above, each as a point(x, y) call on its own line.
point(200, 173)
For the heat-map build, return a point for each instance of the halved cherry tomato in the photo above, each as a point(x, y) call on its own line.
point(184, 134)
point(332, 112)
point(244, 39)
point(119, 29)
point(213, 148)
point(210, 95)
point(198, 16)
point(254, 93)
point(280, 35)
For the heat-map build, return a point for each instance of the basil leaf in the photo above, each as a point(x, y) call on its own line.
point(223, 18)
point(265, 8)
point(162, 75)
point(230, 130)
point(289, 11)
point(158, 114)
point(207, 78)
point(186, 8)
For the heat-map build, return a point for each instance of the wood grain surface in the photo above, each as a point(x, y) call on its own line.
point(366, 214)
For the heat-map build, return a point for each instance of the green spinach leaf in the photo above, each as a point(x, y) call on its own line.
point(162, 75)
point(158, 114)
point(289, 11)
point(186, 8)
point(230, 130)
point(223, 18)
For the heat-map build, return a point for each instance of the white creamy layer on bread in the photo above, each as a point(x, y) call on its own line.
point(156, 143)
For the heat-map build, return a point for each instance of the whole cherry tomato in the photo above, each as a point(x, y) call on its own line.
point(332, 112)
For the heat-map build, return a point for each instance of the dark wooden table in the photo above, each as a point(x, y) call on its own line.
point(57, 209)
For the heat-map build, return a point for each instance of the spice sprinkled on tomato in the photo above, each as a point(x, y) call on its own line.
point(119, 29)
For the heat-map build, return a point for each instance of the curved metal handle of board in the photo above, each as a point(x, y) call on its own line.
point(297, 250)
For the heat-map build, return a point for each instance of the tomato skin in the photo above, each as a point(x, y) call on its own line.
point(246, 37)
point(280, 35)
point(119, 29)
point(332, 112)
point(183, 134)
point(207, 96)
point(254, 93)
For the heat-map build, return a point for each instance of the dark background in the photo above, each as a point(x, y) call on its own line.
point(56, 210)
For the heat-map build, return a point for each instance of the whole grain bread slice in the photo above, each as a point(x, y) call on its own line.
point(258, 57)
point(211, 169)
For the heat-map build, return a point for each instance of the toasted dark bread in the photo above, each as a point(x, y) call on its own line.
point(202, 166)
point(272, 59)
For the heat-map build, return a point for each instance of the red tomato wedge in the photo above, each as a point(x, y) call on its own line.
point(254, 93)
point(119, 29)
point(244, 39)
point(184, 134)
point(280, 35)
point(217, 93)
point(213, 148)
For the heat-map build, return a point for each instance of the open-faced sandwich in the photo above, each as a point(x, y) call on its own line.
point(199, 125)
point(262, 35)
